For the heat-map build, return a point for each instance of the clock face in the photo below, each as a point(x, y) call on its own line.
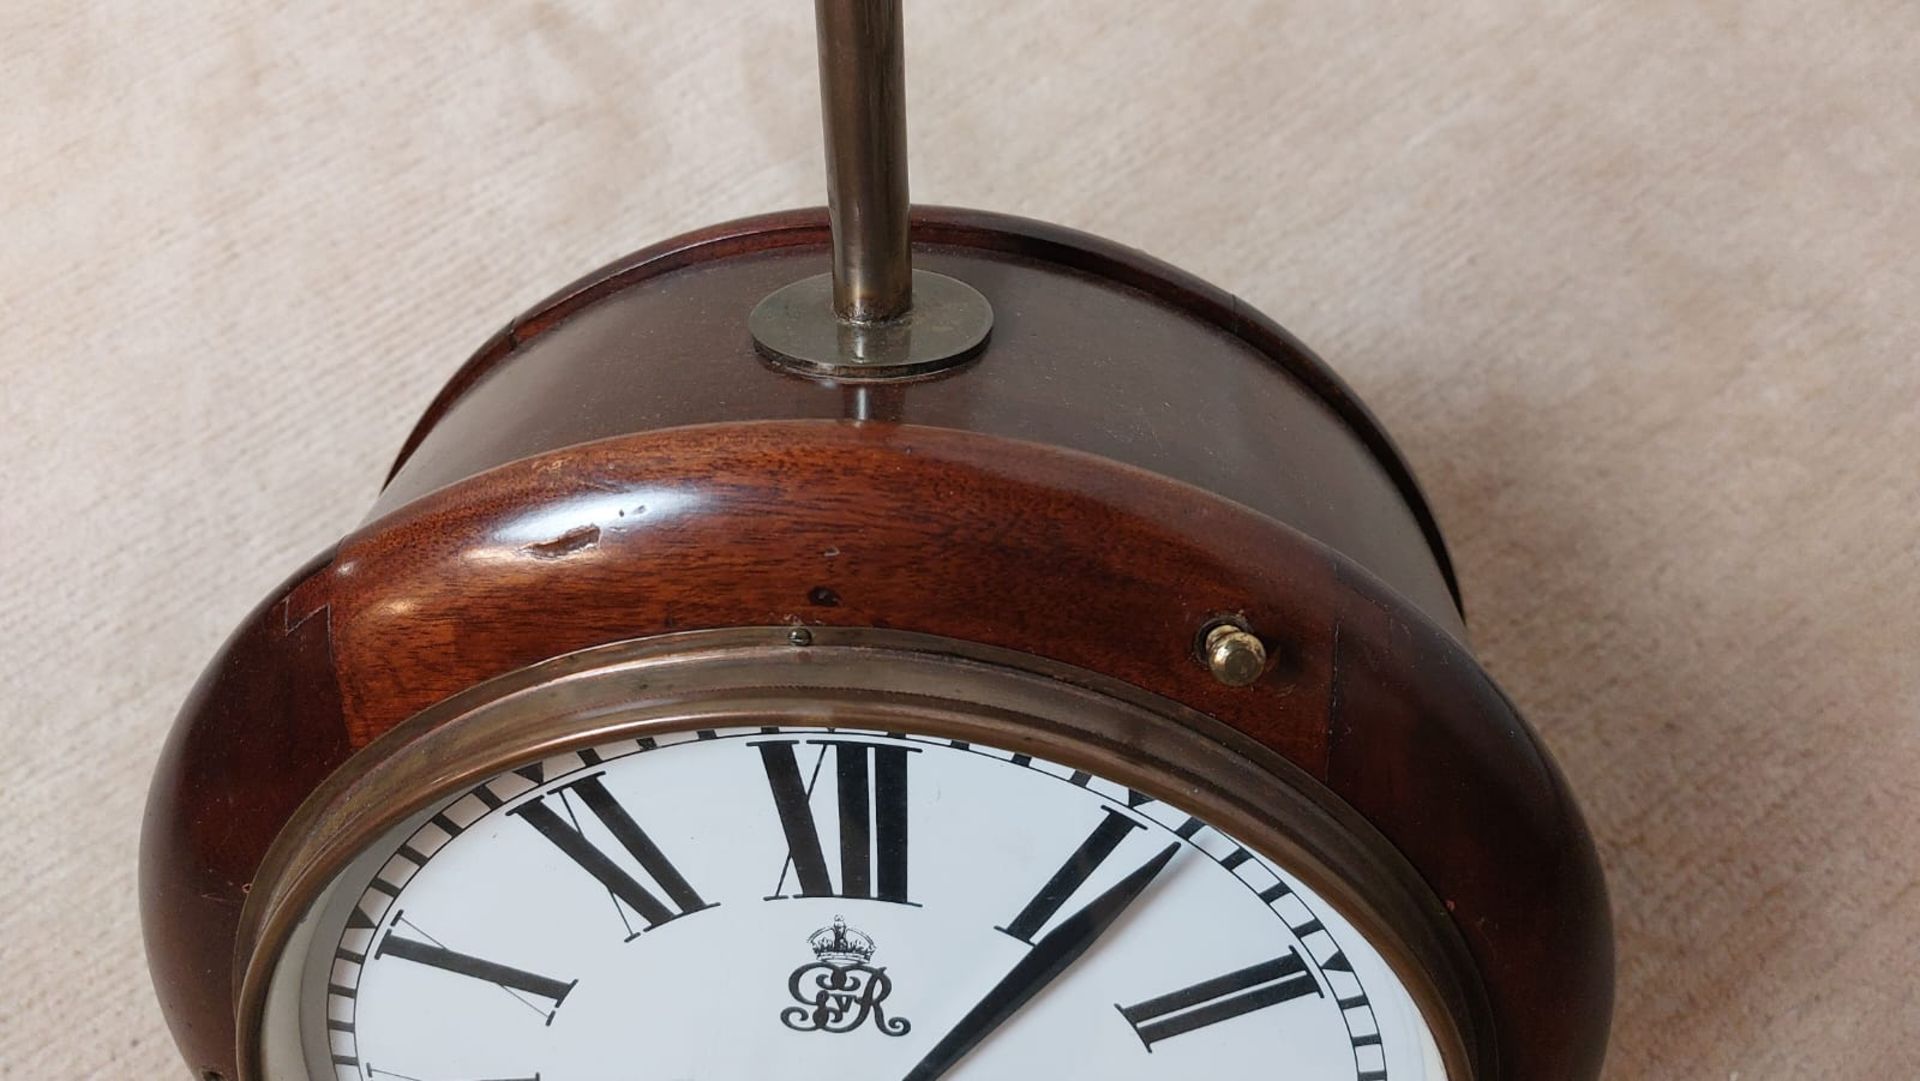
point(827, 903)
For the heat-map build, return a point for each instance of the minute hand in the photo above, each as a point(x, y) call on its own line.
point(1049, 957)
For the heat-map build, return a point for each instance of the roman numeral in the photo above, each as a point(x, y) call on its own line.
point(871, 780)
point(515, 981)
point(1208, 1002)
point(1072, 875)
point(568, 838)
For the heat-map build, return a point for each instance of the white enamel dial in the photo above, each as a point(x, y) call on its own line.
point(808, 903)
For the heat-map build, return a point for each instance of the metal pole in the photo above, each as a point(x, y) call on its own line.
point(874, 318)
point(863, 108)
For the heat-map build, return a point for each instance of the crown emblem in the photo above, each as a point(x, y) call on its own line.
point(841, 945)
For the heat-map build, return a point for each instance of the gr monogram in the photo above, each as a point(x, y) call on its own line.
point(839, 990)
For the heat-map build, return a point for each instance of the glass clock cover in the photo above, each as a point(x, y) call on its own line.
point(828, 903)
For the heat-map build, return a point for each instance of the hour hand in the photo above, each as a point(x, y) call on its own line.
point(1050, 956)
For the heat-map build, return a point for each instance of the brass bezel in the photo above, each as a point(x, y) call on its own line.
point(864, 678)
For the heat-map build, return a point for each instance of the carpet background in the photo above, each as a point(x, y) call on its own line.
point(1634, 284)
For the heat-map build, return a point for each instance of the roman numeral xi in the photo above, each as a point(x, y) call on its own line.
point(871, 782)
point(567, 837)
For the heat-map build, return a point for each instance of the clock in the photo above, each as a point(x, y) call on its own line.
point(1000, 655)
point(724, 855)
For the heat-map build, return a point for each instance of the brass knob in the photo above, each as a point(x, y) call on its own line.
point(1234, 656)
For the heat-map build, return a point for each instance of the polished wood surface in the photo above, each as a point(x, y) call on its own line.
point(597, 474)
point(261, 729)
point(1095, 347)
point(822, 522)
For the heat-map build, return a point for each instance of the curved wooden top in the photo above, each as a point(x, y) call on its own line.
point(1096, 347)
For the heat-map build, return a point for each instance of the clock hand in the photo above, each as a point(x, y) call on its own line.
point(1049, 957)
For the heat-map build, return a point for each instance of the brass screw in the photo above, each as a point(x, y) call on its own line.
point(1234, 656)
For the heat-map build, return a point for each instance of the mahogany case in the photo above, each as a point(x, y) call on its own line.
point(1134, 455)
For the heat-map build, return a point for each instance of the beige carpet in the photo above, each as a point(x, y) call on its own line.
point(1635, 285)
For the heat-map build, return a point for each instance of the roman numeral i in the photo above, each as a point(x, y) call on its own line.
point(1073, 874)
point(681, 898)
point(871, 782)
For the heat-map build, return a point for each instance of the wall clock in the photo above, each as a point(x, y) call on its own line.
point(879, 643)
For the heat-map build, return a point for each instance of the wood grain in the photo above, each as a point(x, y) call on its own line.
point(1095, 347)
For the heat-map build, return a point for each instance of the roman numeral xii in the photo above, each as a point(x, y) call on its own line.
point(870, 782)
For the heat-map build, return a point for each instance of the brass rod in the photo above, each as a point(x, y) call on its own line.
point(863, 110)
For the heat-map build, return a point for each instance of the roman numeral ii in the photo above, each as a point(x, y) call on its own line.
point(871, 782)
point(1208, 1002)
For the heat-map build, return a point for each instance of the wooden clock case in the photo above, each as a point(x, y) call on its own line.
point(1134, 457)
